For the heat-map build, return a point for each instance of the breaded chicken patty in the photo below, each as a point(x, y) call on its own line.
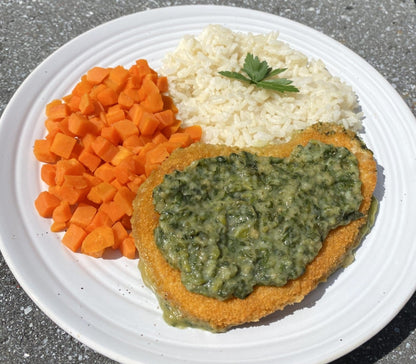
point(216, 315)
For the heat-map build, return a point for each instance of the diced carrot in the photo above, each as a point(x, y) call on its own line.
point(78, 148)
point(133, 82)
point(139, 163)
point(125, 100)
point(133, 143)
point(115, 183)
point(113, 116)
point(91, 179)
point(165, 117)
point(153, 102)
point(77, 182)
point(168, 104)
point(123, 176)
point(107, 96)
point(113, 108)
point(67, 167)
point(126, 169)
point(134, 184)
point(86, 141)
point(100, 219)
point(120, 233)
point(104, 148)
point(135, 113)
point(128, 248)
point(89, 160)
point(48, 173)
point(162, 83)
point(142, 68)
point(157, 155)
point(58, 226)
point(194, 131)
point(103, 140)
point(148, 123)
point(150, 167)
point(159, 138)
point(183, 139)
point(73, 237)
point(102, 192)
point(114, 210)
point(148, 146)
point(171, 129)
point(63, 127)
point(62, 212)
point(97, 75)
point(97, 240)
point(111, 134)
point(126, 221)
point(96, 89)
point(103, 117)
point(171, 146)
point(145, 139)
point(50, 105)
point(132, 93)
point(64, 99)
point(83, 215)
point(68, 193)
point(82, 87)
point(96, 124)
point(56, 111)
point(51, 126)
point(51, 135)
point(119, 75)
point(62, 145)
point(106, 172)
point(148, 87)
point(73, 102)
point(86, 105)
point(42, 151)
point(45, 203)
point(78, 124)
point(122, 154)
point(113, 85)
point(125, 128)
point(125, 198)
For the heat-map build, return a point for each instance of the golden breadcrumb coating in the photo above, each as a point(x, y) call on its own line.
point(264, 300)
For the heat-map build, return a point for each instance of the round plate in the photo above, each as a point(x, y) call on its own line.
point(103, 302)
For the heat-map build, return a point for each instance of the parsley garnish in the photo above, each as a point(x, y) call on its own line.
point(257, 73)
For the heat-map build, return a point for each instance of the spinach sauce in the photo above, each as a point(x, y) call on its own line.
point(231, 223)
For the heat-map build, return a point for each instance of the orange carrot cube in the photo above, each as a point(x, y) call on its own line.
point(74, 237)
point(63, 145)
point(45, 203)
point(128, 248)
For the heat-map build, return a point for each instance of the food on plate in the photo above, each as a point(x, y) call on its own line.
point(236, 113)
point(221, 254)
point(103, 140)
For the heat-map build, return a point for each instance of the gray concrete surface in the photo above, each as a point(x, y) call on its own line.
point(383, 32)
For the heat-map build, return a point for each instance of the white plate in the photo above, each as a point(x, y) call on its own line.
point(104, 304)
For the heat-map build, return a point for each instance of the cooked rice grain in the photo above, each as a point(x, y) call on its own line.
point(236, 113)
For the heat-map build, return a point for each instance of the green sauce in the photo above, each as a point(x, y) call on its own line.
point(231, 223)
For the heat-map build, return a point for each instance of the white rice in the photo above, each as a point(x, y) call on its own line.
point(235, 113)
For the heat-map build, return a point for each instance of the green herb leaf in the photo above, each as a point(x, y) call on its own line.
point(255, 69)
point(258, 72)
point(277, 71)
point(236, 75)
point(281, 85)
